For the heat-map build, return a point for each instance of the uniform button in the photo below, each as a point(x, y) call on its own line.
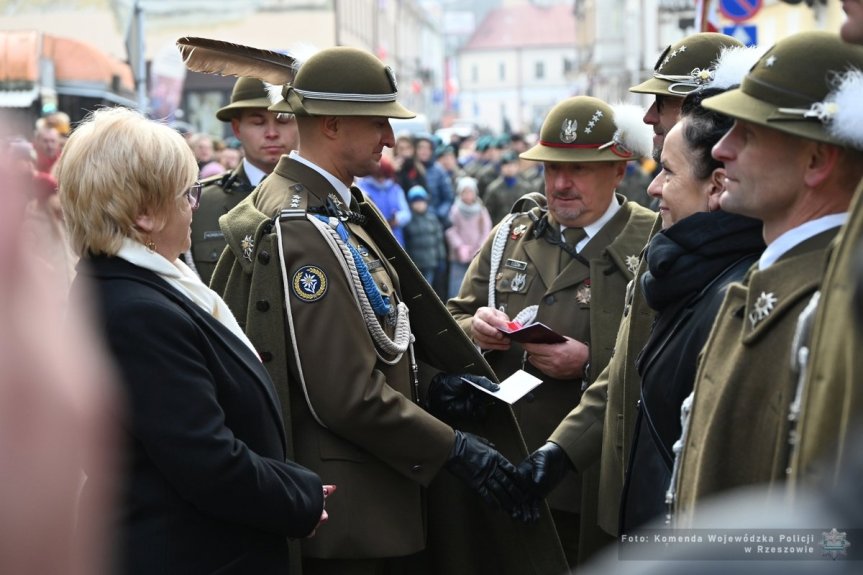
point(214, 255)
point(549, 299)
point(500, 275)
point(417, 469)
point(384, 288)
point(262, 305)
point(264, 257)
point(266, 356)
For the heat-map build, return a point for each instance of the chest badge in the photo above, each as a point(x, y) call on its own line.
point(632, 263)
point(516, 264)
point(582, 294)
point(517, 283)
point(248, 246)
point(762, 307)
point(518, 231)
point(309, 283)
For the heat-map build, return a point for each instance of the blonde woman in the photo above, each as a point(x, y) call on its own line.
point(205, 486)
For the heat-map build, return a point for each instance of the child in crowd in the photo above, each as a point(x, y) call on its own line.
point(424, 234)
point(471, 224)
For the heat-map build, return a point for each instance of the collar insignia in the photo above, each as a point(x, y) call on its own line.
point(762, 307)
point(248, 246)
point(632, 263)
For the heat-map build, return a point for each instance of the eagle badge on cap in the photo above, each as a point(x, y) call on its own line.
point(309, 283)
point(568, 131)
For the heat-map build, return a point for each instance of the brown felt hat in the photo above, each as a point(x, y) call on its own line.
point(792, 87)
point(586, 129)
point(343, 81)
point(684, 66)
point(247, 93)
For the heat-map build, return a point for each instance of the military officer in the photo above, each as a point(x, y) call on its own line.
point(265, 136)
point(601, 427)
point(322, 289)
point(831, 404)
point(565, 265)
point(788, 163)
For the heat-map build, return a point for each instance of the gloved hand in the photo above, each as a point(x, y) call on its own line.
point(450, 399)
point(476, 462)
point(545, 468)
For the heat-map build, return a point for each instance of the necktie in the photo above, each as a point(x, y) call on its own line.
point(571, 236)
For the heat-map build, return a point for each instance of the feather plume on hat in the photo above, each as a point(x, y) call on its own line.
point(227, 59)
point(732, 65)
point(846, 122)
point(632, 133)
point(300, 53)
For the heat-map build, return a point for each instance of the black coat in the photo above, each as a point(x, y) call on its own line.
point(205, 487)
point(690, 266)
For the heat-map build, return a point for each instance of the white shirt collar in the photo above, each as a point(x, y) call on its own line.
point(795, 236)
point(341, 188)
point(254, 173)
point(593, 229)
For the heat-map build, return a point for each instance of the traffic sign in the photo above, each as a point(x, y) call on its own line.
point(739, 10)
point(746, 34)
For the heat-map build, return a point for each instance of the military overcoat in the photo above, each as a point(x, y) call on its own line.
point(220, 194)
point(354, 417)
point(832, 402)
point(737, 432)
point(601, 427)
point(584, 302)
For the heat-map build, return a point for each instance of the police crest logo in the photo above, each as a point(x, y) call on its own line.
point(309, 283)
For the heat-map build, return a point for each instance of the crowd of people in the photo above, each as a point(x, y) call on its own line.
point(302, 331)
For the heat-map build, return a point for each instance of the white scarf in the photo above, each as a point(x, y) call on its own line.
point(183, 279)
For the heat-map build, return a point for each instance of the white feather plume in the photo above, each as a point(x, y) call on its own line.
point(847, 122)
point(274, 92)
point(732, 64)
point(632, 133)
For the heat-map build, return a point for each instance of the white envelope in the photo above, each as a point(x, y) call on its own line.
point(512, 388)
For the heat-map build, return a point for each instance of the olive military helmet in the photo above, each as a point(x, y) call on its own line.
point(685, 66)
point(809, 85)
point(342, 81)
point(586, 129)
point(247, 93)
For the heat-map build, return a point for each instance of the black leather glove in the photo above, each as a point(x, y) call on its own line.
point(545, 468)
point(476, 462)
point(451, 399)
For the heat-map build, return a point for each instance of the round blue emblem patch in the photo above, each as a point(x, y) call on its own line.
point(309, 283)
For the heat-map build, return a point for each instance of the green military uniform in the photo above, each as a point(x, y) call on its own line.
point(582, 300)
point(307, 272)
point(223, 191)
point(220, 195)
point(738, 429)
point(600, 428)
point(379, 455)
point(743, 372)
point(602, 425)
point(831, 403)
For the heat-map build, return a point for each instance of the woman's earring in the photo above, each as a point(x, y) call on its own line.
point(151, 246)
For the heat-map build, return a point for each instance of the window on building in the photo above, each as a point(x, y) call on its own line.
point(474, 73)
point(501, 71)
point(539, 70)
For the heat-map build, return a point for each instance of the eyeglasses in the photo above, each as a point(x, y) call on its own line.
point(193, 194)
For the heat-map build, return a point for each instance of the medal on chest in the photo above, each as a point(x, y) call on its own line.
point(582, 294)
